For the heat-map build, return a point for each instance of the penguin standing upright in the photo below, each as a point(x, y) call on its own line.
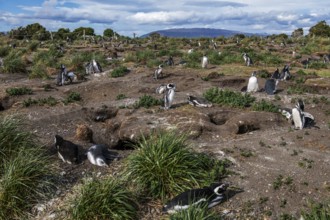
point(204, 61)
point(66, 150)
point(253, 83)
point(210, 196)
point(158, 72)
point(298, 118)
point(169, 95)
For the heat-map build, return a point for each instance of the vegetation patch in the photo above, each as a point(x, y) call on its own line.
point(51, 101)
point(228, 97)
point(163, 165)
point(265, 106)
point(19, 91)
point(25, 170)
point(104, 199)
point(72, 97)
point(195, 213)
point(119, 71)
point(121, 96)
point(147, 101)
point(319, 211)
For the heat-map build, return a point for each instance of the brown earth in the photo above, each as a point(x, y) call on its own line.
point(262, 148)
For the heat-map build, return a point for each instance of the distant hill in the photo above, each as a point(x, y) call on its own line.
point(198, 32)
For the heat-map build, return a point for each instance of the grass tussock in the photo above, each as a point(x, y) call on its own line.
point(163, 165)
point(147, 101)
point(319, 211)
point(228, 97)
point(104, 199)
point(119, 72)
point(19, 91)
point(195, 213)
point(265, 106)
point(25, 170)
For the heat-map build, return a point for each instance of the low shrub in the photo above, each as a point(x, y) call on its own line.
point(72, 97)
point(51, 101)
point(228, 97)
point(319, 211)
point(147, 101)
point(119, 71)
point(163, 165)
point(19, 91)
point(195, 213)
point(13, 63)
point(265, 106)
point(104, 199)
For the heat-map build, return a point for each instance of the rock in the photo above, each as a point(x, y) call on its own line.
point(103, 113)
point(84, 133)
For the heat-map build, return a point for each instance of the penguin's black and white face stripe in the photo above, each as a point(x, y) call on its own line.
point(66, 150)
point(96, 155)
point(300, 104)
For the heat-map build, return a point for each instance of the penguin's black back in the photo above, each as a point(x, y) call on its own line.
point(67, 149)
point(270, 86)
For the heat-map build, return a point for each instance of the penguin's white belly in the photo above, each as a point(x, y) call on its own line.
point(297, 119)
point(91, 158)
point(170, 97)
point(253, 84)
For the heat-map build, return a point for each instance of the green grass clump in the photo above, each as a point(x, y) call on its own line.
point(119, 71)
point(104, 199)
point(4, 51)
point(13, 62)
point(19, 91)
point(147, 101)
point(39, 71)
point(228, 97)
point(163, 165)
point(72, 97)
point(51, 101)
point(265, 106)
point(25, 176)
point(195, 213)
point(317, 211)
point(121, 96)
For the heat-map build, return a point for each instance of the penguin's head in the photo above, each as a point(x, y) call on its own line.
point(170, 86)
point(300, 105)
point(254, 73)
point(101, 162)
point(58, 140)
point(219, 188)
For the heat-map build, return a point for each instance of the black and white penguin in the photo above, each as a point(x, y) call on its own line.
point(66, 150)
point(161, 89)
point(298, 118)
point(247, 59)
point(271, 86)
point(169, 95)
point(170, 61)
point(96, 66)
point(276, 74)
point(204, 61)
point(98, 155)
point(253, 83)
point(198, 102)
point(158, 72)
point(285, 74)
point(286, 112)
point(211, 196)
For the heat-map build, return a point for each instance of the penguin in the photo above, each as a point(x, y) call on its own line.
point(158, 72)
point(276, 74)
point(298, 118)
point(66, 150)
point(204, 62)
point(211, 195)
point(169, 95)
point(98, 155)
point(247, 59)
point(96, 66)
point(285, 74)
point(271, 86)
point(253, 83)
point(161, 89)
point(199, 102)
point(286, 112)
point(309, 120)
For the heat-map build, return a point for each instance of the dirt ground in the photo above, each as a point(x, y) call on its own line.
point(269, 155)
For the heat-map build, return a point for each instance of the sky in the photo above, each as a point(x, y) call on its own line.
point(143, 16)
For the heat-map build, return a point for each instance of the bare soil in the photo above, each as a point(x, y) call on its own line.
point(265, 155)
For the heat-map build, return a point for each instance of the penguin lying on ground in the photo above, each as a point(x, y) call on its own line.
point(211, 196)
point(198, 101)
point(99, 155)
